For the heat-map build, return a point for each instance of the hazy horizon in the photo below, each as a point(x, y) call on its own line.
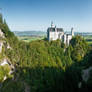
point(22, 15)
point(46, 31)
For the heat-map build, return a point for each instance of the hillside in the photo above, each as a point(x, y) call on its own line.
point(42, 66)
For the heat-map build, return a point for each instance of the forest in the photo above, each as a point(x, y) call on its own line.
point(43, 66)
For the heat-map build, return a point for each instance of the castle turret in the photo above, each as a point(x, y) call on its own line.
point(72, 32)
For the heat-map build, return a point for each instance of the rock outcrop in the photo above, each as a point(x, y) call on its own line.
point(4, 60)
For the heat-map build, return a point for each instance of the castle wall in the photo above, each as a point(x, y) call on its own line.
point(68, 39)
point(55, 35)
point(64, 38)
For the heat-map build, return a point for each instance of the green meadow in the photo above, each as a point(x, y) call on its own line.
point(30, 38)
point(88, 38)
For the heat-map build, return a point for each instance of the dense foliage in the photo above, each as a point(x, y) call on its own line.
point(43, 66)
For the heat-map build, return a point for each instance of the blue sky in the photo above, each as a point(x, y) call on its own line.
point(22, 15)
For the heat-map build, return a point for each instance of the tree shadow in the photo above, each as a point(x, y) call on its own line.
point(43, 79)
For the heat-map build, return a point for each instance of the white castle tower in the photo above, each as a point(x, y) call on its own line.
point(54, 33)
point(72, 32)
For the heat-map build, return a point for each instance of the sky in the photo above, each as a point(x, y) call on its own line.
point(28, 15)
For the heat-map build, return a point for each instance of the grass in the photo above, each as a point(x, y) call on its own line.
point(88, 38)
point(30, 38)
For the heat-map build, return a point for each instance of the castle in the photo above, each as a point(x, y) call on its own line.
point(54, 33)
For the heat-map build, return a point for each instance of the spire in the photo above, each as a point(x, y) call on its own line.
point(52, 25)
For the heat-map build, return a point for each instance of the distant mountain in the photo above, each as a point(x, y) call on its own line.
point(83, 33)
point(30, 33)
